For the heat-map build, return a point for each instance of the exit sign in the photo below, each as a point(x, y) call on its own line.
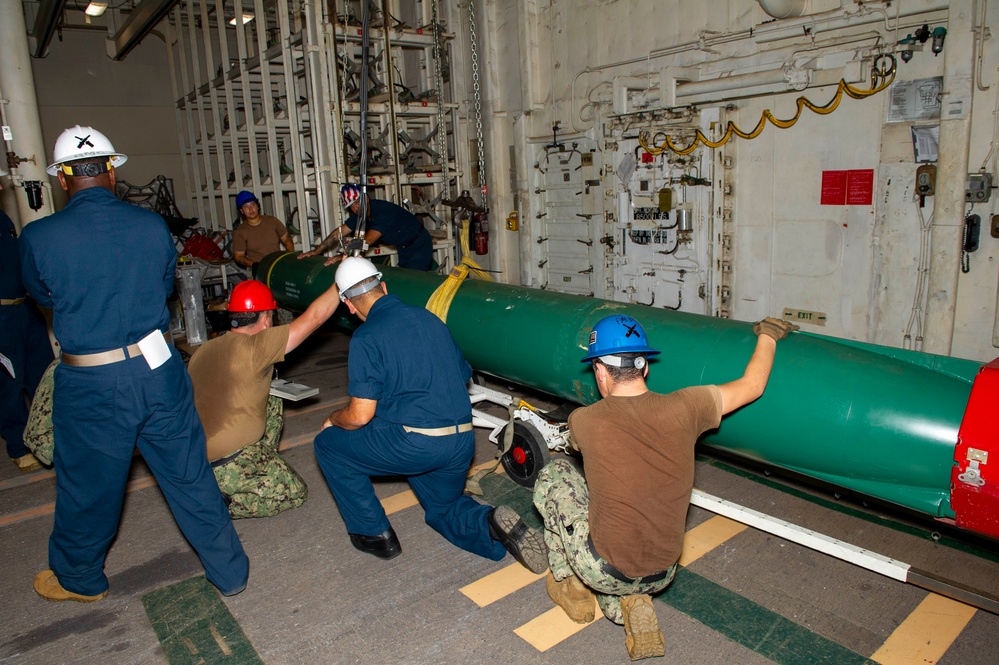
point(804, 316)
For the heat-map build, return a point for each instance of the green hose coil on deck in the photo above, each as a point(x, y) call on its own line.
point(879, 421)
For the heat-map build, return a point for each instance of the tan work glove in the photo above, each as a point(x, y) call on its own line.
point(778, 329)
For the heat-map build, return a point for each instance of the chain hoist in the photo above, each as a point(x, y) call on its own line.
point(480, 220)
point(473, 45)
point(439, 80)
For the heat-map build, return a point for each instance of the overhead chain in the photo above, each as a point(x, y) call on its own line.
point(478, 101)
point(439, 76)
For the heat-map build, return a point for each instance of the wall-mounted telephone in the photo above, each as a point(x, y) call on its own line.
point(969, 244)
point(926, 182)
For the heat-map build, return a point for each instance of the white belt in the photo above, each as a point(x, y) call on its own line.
point(439, 431)
point(104, 357)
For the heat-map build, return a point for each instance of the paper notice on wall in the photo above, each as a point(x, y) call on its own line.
point(926, 143)
point(626, 169)
point(7, 365)
point(915, 100)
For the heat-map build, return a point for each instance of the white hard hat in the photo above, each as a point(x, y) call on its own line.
point(352, 271)
point(82, 143)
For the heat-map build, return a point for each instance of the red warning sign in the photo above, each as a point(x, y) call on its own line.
point(854, 187)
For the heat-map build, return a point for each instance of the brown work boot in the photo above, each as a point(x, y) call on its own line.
point(641, 628)
point(27, 463)
point(572, 596)
point(47, 586)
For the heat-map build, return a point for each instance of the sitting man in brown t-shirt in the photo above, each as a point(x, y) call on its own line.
point(617, 534)
point(232, 378)
point(258, 235)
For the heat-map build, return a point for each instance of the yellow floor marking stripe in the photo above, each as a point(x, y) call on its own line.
point(297, 441)
point(926, 633)
point(27, 479)
point(291, 413)
point(552, 627)
point(400, 501)
point(705, 537)
point(500, 584)
point(38, 511)
point(140, 483)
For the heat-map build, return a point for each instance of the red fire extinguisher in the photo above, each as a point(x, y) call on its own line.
point(480, 222)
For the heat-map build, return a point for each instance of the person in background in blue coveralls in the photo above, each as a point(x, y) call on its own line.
point(106, 267)
point(387, 223)
point(24, 341)
point(409, 415)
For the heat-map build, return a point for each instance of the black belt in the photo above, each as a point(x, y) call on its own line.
point(225, 460)
point(606, 566)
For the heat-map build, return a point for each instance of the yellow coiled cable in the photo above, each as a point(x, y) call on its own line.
point(886, 76)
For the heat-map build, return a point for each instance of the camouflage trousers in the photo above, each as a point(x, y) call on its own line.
point(256, 479)
point(562, 498)
point(38, 431)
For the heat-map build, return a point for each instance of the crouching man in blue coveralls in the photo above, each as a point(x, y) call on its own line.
point(106, 267)
point(409, 414)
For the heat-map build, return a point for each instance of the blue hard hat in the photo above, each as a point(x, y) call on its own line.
point(618, 334)
point(245, 197)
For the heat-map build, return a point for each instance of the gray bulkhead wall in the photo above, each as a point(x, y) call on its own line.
point(856, 264)
point(130, 101)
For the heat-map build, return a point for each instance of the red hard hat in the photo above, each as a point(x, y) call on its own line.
point(251, 296)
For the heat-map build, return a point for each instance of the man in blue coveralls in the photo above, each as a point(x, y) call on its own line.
point(24, 341)
point(387, 223)
point(106, 267)
point(409, 415)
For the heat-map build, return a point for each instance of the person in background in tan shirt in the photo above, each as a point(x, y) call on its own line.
point(232, 377)
point(617, 534)
point(258, 235)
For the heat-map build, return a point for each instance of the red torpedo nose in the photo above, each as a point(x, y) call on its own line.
point(974, 480)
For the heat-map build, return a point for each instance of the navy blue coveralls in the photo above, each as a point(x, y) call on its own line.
point(23, 339)
point(106, 267)
point(423, 388)
point(399, 228)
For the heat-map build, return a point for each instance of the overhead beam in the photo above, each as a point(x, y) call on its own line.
point(140, 22)
point(46, 21)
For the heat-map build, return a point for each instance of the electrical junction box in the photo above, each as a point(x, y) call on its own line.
point(978, 188)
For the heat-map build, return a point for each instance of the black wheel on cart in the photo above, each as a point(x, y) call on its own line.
point(528, 454)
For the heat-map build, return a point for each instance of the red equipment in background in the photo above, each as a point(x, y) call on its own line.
point(480, 226)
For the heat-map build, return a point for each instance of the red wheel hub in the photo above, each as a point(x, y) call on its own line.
point(519, 456)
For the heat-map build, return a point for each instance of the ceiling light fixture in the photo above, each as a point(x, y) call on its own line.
point(246, 19)
point(96, 8)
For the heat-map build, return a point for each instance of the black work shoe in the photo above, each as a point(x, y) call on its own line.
point(525, 544)
point(384, 546)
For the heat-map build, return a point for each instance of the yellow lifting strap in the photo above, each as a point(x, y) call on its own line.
point(440, 300)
